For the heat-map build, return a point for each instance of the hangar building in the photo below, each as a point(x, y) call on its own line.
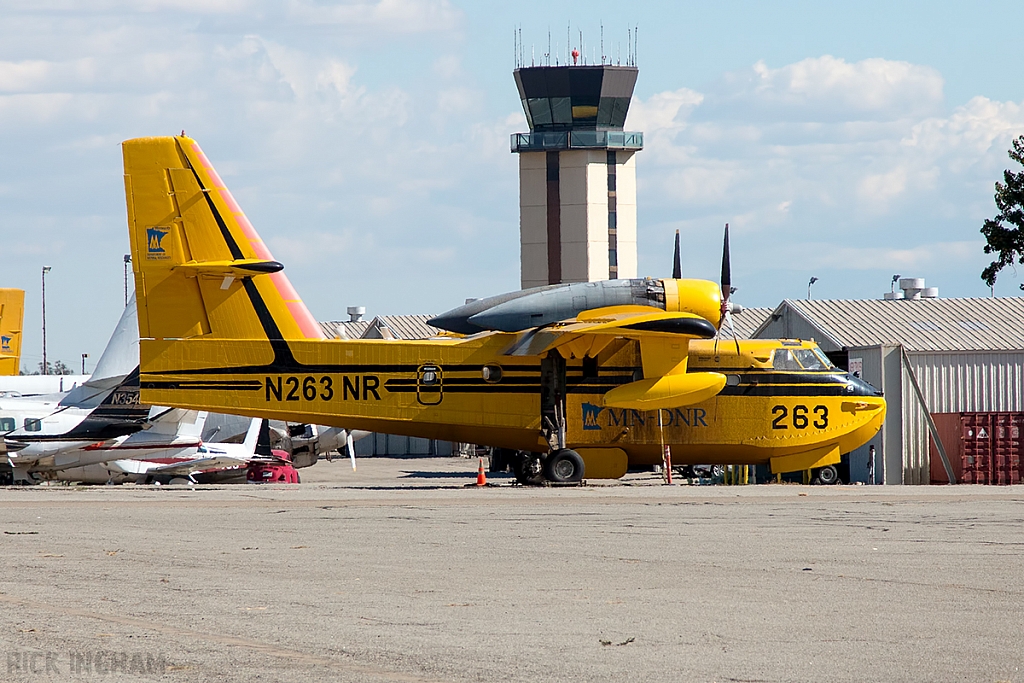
point(967, 355)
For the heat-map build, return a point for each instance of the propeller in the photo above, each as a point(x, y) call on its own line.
point(677, 268)
point(351, 449)
point(727, 307)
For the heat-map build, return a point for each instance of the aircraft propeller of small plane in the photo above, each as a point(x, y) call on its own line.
point(571, 380)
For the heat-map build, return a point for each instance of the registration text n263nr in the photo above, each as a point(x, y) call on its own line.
point(321, 388)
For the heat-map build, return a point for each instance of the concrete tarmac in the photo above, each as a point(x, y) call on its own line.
point(398, 572)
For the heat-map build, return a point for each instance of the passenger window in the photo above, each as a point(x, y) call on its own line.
point(809, 360)
point(7, 424)
point(783, 359)
point(33, 425)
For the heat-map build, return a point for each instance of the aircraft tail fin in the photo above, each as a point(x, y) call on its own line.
point(257, 439)
point(117, 364)
point(12, 314)
point(122, 403)
point(201, 270)
point(177, 422)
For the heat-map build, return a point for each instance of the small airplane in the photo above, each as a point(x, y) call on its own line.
point(104, 408)
point(170, 435)
point(197, 463)
point(582, 379)
point(12, 314)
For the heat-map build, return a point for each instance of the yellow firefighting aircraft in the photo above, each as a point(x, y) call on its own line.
point(587, 388)
point(12, 313)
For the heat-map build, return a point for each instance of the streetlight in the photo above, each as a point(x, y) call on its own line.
point(809, 283)
point(46, 368)
point(127, 260)
point(84, 356)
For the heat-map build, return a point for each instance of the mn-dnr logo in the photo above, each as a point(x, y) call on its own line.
point(597, 417)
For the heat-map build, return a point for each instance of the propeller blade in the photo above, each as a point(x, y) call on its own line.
point(351, 450)
point(726, 267)
point(677, 267)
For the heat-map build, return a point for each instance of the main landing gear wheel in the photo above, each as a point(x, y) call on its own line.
point(528, 470)
point(564, 466)
point(828, 475)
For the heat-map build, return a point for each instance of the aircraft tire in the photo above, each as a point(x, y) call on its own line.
point(179, 481)
point(828, 475)
point(564, 466)
point(528, 470)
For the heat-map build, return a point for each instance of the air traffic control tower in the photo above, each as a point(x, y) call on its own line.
point(577, 174)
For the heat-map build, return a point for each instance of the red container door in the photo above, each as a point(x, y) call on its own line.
point(991, 447)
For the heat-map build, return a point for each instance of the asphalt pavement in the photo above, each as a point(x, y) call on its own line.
point(401, 572)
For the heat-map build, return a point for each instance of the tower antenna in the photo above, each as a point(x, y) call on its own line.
point(602, 43)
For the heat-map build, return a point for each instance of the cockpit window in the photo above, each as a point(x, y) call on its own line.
point(800, 359)
point(783, 359)
point(824, 359)
point(809, 360)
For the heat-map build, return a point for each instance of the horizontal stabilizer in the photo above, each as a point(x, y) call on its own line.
point(670, 391)
point(236, 268)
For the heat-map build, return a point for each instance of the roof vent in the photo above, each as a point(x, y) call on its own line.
point(912, 288)
point(355, 313)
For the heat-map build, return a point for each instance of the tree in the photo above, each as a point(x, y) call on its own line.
point(1004, 234)
point(58, 368)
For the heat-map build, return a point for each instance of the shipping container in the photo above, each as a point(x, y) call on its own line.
point(984, 448)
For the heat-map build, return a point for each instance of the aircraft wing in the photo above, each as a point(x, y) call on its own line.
point(184, 468)
point(664, 345)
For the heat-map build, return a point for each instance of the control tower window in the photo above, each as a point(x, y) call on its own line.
point(540, 111)
point(561, 110)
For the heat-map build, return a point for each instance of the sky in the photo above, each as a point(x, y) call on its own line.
point(368, 142)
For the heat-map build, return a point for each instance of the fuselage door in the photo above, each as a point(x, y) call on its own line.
point(429, 384)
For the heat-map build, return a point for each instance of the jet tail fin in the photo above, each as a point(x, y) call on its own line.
point(257, 439)
point(12, 316)
point(201, 270)
point(115, 367)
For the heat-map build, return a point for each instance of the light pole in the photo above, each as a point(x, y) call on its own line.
point(809, 283)
point(127, 260)
point(46, 368)
point(84, 357)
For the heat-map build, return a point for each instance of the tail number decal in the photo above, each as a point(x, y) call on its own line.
point(310, 388)
point(800, 418)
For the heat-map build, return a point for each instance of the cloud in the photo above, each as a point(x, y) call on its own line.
point(827, 88)
point(391, 16)
point(853, 167)
point(824, 256)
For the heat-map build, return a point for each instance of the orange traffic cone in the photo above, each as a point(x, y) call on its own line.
point(481, 478)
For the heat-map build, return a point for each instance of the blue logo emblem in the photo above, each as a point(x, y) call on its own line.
point(155, 243)
point(590, 413)
point(5, 343)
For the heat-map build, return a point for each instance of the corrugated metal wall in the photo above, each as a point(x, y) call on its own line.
point(955, 383)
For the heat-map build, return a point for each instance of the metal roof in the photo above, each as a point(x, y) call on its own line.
point(974, 324)
point(401, 326)
point(750, 320)
point(344, 330)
